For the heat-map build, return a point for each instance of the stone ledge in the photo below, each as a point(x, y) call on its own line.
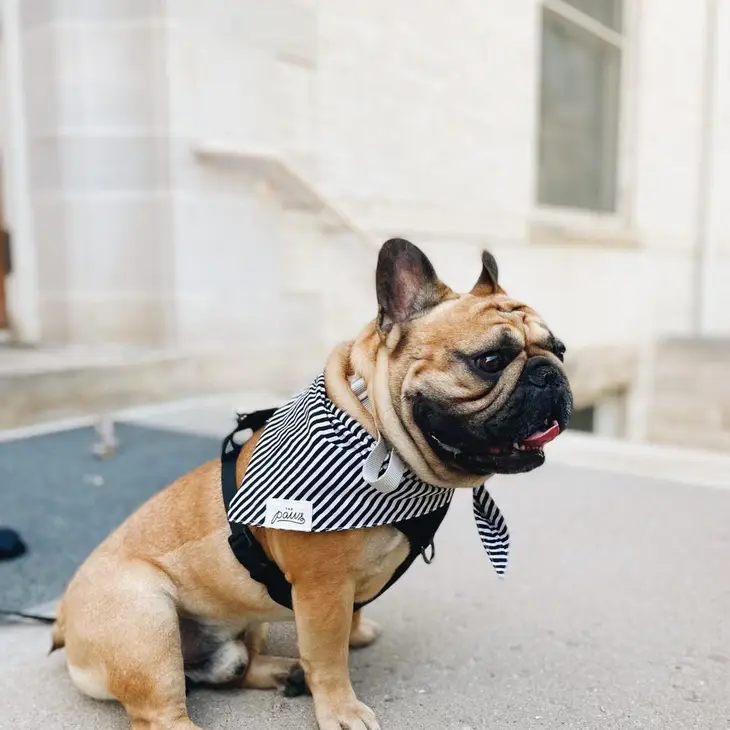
point(696, 348)
point(546, 234)
point(79, 387)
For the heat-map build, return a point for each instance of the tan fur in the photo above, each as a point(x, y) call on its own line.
point(119, 617)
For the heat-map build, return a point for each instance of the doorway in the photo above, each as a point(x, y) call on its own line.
point(19, 290)
point(4, 266)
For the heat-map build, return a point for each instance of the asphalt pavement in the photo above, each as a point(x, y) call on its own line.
point(64, 501)
point(615, 613)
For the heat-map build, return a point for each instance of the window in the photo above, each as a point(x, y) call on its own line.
point(579, 104)
point(583, 419)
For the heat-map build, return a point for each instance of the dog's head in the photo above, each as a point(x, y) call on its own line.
point(463, 385)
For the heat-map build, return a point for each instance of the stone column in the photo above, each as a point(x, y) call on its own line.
point(96, 95)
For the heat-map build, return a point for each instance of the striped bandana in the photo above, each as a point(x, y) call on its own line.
point(315, 469)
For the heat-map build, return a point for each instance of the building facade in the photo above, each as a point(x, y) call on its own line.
point(190, 174)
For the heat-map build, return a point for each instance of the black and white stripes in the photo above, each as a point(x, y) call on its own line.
point(492, 529)
point(306, 473)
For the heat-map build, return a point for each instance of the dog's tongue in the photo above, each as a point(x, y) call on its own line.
point(542, 437)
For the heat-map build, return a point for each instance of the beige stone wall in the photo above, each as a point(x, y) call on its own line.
point(240, 75)
point(96, 113)
point(427, 128)
point(138, 240)
point(691, 394)
point(415, 118)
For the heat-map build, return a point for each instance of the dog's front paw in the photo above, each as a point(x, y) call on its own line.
point(352, 716)
point(364, 633)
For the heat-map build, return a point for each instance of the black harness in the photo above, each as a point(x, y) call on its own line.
point(419, 531)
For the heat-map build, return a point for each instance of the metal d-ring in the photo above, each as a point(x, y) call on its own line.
point(428, 559)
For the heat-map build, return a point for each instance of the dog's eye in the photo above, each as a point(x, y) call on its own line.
point(490, 363)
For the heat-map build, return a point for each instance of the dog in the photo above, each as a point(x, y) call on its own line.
point(460, 386)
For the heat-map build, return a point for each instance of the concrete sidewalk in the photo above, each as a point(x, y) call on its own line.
point(615, 612)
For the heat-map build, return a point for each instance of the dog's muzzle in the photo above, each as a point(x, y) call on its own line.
point(511, 441)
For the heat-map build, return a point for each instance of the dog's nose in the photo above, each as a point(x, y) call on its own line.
point(539, 371)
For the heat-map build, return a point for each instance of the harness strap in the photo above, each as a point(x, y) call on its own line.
point(244, 545)
point(231, 449)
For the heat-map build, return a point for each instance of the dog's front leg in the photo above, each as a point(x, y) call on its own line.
point(323, 614)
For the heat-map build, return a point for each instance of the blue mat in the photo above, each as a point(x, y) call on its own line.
point(63, 501)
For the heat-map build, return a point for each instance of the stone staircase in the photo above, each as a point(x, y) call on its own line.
point(329, 262)
point(46, 384)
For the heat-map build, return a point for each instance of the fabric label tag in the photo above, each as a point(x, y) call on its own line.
point(288, 514)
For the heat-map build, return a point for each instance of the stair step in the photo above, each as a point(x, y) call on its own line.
point(43, 385)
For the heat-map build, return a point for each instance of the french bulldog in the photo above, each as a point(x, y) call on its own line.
point(460, 386)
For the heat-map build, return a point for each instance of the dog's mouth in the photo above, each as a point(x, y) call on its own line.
point(533, 443)
point(520, 456)
point(458, 448)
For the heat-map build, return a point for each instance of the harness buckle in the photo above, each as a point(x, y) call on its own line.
point(240, 538)
point(428, 559)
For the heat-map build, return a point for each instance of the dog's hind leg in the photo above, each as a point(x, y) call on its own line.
point(218, 655)
point(183, 724)
point(271, 672)
point(213, 653)
point(276, 672)
point(123, 642)
point(363, 632)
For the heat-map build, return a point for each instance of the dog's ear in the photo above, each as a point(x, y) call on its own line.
point(488, 280)
point(406, 283)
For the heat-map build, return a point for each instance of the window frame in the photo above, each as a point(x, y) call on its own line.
point(579, 218)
